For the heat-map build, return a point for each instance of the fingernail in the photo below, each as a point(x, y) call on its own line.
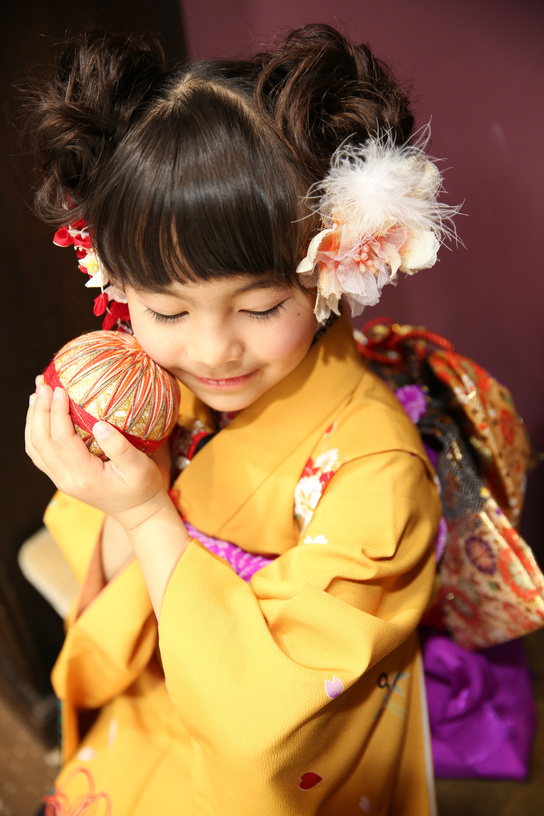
point(31, 399)
point(101, 429)
point(56, 392)
point(39, 390)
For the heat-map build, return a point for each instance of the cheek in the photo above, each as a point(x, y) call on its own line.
point(151, 340)
point(293, 342)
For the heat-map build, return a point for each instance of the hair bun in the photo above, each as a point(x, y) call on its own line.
point(75, 119)
point(320, 90)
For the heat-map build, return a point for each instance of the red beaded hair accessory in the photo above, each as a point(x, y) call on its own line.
point(111, 302)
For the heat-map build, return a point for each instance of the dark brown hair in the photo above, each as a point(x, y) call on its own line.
point(201, 171)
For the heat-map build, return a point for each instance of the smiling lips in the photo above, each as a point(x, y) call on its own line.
point(228, 383)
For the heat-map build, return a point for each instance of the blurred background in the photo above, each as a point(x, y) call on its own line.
point(475, 68)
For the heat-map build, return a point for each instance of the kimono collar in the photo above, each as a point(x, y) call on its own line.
point(273, 437)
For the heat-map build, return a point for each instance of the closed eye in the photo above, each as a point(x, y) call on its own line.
point(266, 315)
point(162, 318)
point(158, 317)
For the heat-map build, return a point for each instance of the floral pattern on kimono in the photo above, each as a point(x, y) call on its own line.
point(315, 477)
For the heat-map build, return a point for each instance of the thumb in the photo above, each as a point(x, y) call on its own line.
point(111, 440)
point(128, 462)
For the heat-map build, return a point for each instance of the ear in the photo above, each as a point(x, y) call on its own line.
point(119, 285)
point(116, 290)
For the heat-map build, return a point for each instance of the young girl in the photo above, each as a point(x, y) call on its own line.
point(244, 643)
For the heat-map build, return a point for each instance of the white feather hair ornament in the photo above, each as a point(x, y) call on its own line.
point(379, 209)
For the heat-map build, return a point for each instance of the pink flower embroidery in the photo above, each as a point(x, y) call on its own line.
point(334, 687)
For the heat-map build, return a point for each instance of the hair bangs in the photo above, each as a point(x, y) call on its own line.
point(202, 191)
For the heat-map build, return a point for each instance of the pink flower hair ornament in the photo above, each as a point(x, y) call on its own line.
point(111, 302)
point(380, 214)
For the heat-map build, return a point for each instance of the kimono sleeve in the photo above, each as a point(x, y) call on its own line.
point(247, 666)
point(109, 644)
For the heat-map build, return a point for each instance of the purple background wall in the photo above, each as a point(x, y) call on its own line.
point(476, 68)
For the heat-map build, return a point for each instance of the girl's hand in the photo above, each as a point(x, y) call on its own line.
point(129, 487)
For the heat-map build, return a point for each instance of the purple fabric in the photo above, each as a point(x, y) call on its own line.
point(413, 400)
point(243, 563)
point(481, 708)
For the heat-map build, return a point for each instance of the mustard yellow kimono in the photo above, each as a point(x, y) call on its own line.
point(298, 693)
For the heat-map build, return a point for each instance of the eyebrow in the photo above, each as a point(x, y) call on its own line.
point(260, 283)
point(255, 285)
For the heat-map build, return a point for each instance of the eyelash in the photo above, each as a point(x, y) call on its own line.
point(275, 310)
point(162, 318)
point(269, 313)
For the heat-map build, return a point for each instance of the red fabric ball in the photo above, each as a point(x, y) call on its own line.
point(108, 376)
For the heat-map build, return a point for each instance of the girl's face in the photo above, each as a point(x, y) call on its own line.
point(227, 340)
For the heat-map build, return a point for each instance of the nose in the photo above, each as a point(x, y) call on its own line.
point(213, 348)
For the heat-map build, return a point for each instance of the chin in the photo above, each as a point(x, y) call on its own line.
point(223, 399)
point(224, 403)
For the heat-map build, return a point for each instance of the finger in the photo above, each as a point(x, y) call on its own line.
point(69, 448)
point(128, 461)
point(28, 422)
point(37, 431)
point(29, 448)
point(52, 434)
point(40, 428)
point(113, 443)
point(62, 427)
point(39, 380)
